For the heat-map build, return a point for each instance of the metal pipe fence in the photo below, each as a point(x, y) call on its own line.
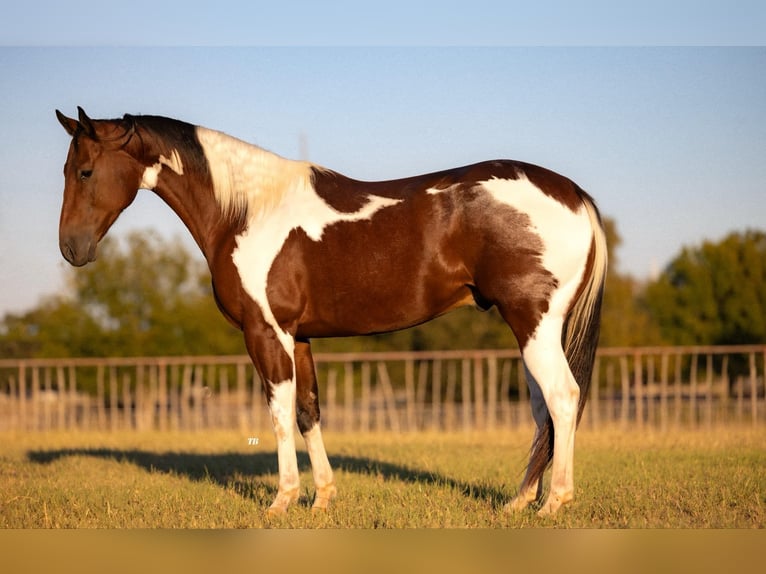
point(662, 388)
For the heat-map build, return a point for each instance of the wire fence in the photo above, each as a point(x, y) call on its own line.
point(663, 388)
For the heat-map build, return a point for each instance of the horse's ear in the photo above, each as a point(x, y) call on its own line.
point(69, 124)
point(86, 123)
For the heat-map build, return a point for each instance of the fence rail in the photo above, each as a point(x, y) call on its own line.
point(658, 387)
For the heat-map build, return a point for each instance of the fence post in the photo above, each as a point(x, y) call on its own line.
point(409, 393)
point(332, 390)
point(753, 389)
point(693, 391)
point(348, 396)
point(436, 391)
point(664, 391)
point(492, 393)
point(638, 390)
point(595, 400)
point(465, 387)
point(366, 397)
point(479, 420)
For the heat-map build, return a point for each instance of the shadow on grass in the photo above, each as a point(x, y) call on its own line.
point(235, 470)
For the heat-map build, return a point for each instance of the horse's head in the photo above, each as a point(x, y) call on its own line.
point(100, 180)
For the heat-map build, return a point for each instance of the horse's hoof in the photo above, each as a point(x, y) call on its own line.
point(323, 497)
point(282, 501)
point(516, 505)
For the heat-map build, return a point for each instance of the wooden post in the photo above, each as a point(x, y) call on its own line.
point(693, 392)
point(649, 390)
point(420, 395)
point(224, 402)
point(162, 396)
point(242, 422)
point(480, 421)
point(409, 393)
point(174, 405)
point(753, 390)
point(436, 392)
point(709, 392)
point(47, 408)
point(22, 398)
point(625, 386)
point(677, 388)
point(113, 399)
point(100, 409)
point(638, 388)
point(465, 387)
point(595, 402)
point(366, 398)
point(388, 393)
point(130, 404)
point(348, 396)
point(724, 385)
point(449, 399)
point(505, 393)
point(664, 392)
point(331, 420)
point(492, 393)
point(34, 423)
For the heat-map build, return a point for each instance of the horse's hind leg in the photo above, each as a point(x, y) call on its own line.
point(545, 359)
point(531, 489)
point(307, 411)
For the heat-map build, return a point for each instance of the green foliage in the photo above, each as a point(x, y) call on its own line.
point(142, 297)
point(625, 321)
point(714, 294)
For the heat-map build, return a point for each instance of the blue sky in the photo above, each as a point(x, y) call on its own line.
point(670, 140)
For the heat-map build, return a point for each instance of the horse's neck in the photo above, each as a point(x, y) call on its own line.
point(246, 178)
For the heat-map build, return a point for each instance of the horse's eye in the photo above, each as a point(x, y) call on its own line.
point(85, 174)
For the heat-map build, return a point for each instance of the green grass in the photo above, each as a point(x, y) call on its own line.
point(216, 480)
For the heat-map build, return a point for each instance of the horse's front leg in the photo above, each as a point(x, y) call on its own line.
point(273, 357)
point(308, 423)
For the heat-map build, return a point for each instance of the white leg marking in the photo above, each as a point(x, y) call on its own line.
point(320, 468)
point(282, 407)
point(547, 363)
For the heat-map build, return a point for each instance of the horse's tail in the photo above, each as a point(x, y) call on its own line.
point(579, 338)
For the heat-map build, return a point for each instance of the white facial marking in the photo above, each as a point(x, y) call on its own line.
point(555, 224)
point(152, 173)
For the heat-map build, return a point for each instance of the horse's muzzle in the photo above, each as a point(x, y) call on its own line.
point(78, 251)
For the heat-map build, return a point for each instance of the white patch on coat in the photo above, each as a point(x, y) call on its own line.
point(276, 195)
point(438, 190)
point(152, 173)
point(246, 178)
point(566, 234)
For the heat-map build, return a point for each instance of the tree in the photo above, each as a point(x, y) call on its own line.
point(714, 294)
point(625, 320)
point(143, 296)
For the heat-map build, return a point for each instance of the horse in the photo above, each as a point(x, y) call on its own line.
point(297, 251)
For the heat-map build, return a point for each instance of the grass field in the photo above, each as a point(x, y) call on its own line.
point(216, 480)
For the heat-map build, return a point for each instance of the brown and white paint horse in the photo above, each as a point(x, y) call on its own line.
point(298, 251)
